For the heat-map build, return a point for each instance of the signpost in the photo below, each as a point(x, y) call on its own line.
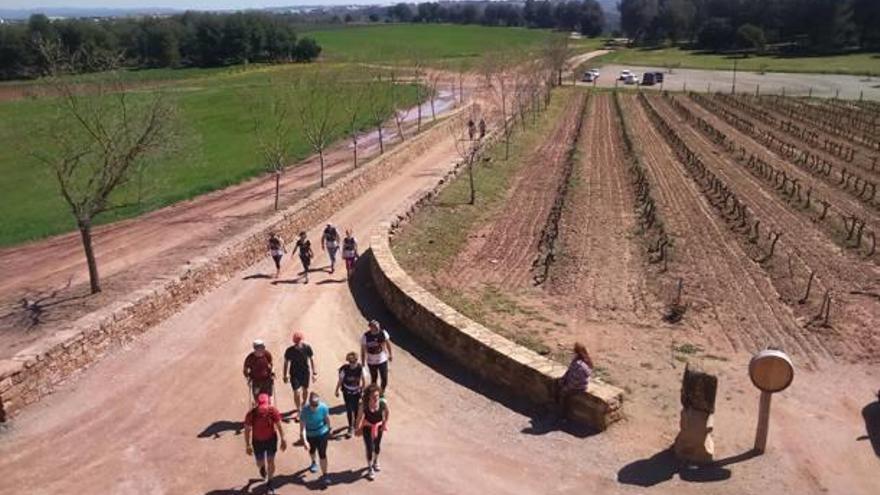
point(771, 371)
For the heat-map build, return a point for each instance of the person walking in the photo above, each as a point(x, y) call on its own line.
point(376, 353)
point(276, 251)
point(352, 381)
point(482, 128)
point(262, 430)
point(304, 246)
point(315, 432)
point(575, 379)
point(472, 129)
point(330, 243)
point(299, 360)
point(372, 424)
point(349, 253)
point(258, 370)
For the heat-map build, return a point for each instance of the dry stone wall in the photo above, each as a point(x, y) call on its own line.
point(35, 371)
point(518, 370)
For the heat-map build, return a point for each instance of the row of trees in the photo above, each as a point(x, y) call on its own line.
point(815, 25)
point(191, 39)
point(585, 16)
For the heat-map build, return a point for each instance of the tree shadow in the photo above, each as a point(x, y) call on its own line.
point(871, 414)
point(256, 276)
point(337, 409)
point(217, 427)
point(288, 281)
point(663, 465)
point(332, 281)
point(372, 307)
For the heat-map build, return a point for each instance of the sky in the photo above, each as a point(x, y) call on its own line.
point(176, 4)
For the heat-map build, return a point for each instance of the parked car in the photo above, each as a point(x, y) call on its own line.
point(589, 77)
point(625, 73)
point(595, 72)
point(658, 77)
point(648, 79)
point(630, 78)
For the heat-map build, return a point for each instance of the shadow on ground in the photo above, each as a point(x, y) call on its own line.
point(217, 427)
point(871, 414)
point(663, 465)
point(372, 307)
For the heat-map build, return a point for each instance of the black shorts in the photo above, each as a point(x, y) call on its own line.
point(265, 448)
point(318, 444)
point(277, 259)
point(299, 380)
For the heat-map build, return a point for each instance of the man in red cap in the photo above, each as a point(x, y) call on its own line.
point(258, 370)
point(262, 430)
point(299, 367)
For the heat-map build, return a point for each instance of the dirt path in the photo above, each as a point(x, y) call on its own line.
point(133, 252)
point(600, 269)
point(734, 307)
point(851, 334)
point(502, 251)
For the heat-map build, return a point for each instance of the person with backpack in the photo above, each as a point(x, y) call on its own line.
point(276, 251)
point(258, 370)
point(315, 432)
point(376, 353)
point(298, 361)
point(349, 252)
point(352, 381)
point(262, 431)
point(304, 246)
point(372, 422)
point(330, 243)
point(482, 128)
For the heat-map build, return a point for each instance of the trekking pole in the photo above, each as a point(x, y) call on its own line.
point(250, 392)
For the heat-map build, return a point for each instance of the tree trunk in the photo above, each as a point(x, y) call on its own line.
point(433, 112)
point(460, 90)
point(419, 109)
point(471, 179)
point(354, 139)
point(85, 231)
point(277, 187)
point(381, 144)
point(321, 157)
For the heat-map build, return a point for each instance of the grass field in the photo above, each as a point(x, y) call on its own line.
point(435, 44)
point(857, 63)
point(219, 150)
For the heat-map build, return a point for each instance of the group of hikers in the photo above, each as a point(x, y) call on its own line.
point(330, 242)
point(365, 406)
point(366, 410)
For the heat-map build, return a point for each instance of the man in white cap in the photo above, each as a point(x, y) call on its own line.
point(258, 369)
point(330, 243)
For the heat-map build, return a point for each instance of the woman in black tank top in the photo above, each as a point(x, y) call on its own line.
point(351, 381)
point(372, 423)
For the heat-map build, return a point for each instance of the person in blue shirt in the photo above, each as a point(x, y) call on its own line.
point(315, 432)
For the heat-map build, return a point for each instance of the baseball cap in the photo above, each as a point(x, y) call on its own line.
point(258, 344)
point(263, 399)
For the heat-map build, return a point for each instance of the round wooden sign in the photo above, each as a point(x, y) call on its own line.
point(771, 371)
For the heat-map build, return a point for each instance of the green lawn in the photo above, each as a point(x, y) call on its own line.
point(857, 63)
point(218, 150)
point(435, 44)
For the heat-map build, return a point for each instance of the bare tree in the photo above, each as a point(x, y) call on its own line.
point(467, 148)
point(318, 110)
point(355, 107)
point(497, 75)
point(99, 137)
point(433, 81)
point(399, 105)
point(273, 130)
point(555, 54)
point(377, 106)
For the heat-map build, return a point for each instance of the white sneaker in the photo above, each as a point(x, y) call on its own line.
point(371, 475)
point(376, 466)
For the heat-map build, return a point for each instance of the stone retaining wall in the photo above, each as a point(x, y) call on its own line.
point(518, 370)
point(37, 370)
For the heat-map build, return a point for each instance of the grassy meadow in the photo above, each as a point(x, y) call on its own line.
point(217, 149)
